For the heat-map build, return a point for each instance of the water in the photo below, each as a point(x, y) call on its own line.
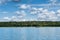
point(30, 33)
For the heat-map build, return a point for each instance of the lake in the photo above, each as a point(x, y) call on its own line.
point(29, 33)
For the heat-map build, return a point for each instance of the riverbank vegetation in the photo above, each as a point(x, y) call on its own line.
point(30, 24)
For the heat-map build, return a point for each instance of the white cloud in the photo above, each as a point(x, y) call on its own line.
point(5, 1)
point(21, 13)
point(32, 19)
point(13, 17)
point(53, 2)
point(58, 15)
point(40, 9)
point(51, 13)
point(19, 20)
point(58, 11)
point(45, 11)
point(36, 10)
point(42, 13)
point(33, 8)
point(17, 12)
point(47, 15)
point(20, 16)
point(33, 12)
point(6, 19)
point(23, 20)
point(52, 18)
point(24, 6)
point(42, 20)
point(41, 16)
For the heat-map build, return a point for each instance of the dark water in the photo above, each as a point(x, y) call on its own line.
point(30, 33)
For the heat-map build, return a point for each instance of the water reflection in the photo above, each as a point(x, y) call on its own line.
point(30, 33)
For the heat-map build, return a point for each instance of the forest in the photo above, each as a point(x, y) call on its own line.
point(31, 24)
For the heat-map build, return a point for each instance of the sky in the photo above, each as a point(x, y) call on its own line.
point(29, 10)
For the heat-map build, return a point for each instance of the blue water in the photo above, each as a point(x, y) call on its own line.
point(30, 33)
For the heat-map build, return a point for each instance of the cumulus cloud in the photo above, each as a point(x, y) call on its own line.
point(45, 11)
point(33, 8)
point(32, 19)
point(13, 18)
point(47, 15)
point(2, 1)
point(17, 12)
point(36, 10)
point(6, 19)
point(42, 14)
point(5, 1)
point(21, 13)
point(33, 12)
point(19, 16)
point(24, 6)
point(58, 15)
point(58, 11)
point(40, 9)
point(53, 1)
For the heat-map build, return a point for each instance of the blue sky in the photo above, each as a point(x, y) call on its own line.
point(29, 10)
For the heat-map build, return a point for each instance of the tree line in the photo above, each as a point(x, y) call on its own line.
point(30, 24)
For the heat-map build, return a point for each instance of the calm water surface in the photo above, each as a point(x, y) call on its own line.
point(29, 33)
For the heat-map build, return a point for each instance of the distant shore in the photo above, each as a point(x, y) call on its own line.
point(31, 24)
